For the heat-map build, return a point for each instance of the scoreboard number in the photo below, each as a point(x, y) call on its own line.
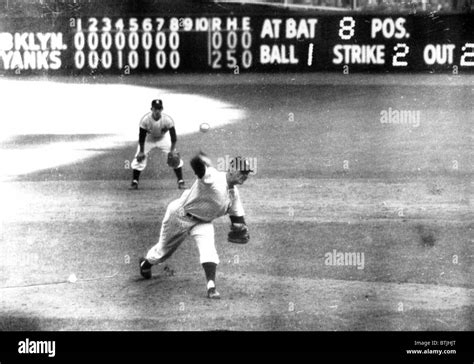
point(107, 22)
point(346, 25)
point(159, 23)
point(399, 54)
point(93, 25)
point(225, 51)
point(147, 26)
point(119, 25)
point(133, 24)
point(464, 60)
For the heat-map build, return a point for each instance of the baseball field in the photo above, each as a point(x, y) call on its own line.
point(359, 210)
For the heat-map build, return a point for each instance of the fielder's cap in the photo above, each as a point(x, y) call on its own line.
point(240, 164)
point(157, 104)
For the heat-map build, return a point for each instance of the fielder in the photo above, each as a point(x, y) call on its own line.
point(212, 195)
point(153, 128)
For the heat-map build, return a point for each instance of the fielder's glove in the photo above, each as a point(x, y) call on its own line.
point(238, 234)
point(173, 159)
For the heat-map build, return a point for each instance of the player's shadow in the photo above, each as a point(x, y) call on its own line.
point(140, 280)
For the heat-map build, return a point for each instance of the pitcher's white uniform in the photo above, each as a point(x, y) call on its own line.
point(192, 214)
point(156, 131)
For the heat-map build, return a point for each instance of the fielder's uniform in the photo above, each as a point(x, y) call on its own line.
point(156, 131)
point(192, 214)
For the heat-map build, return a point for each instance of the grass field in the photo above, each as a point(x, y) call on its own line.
point(331, 176)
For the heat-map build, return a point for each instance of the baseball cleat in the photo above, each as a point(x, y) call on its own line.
point(145, 268)
point(181, 185)
point(213, 294)
point(133, 186)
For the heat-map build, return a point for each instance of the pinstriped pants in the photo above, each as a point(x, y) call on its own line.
point(176, 226)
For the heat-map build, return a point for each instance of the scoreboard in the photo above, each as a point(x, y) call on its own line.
point(178, 44)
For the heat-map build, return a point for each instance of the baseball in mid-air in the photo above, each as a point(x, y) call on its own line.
point(204, 127)
point(72, 278)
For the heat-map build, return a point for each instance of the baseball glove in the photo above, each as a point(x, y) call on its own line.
point(238, 234)
point(174, 159)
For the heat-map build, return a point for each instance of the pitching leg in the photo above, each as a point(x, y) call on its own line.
point(203, 235)
point(174, 229)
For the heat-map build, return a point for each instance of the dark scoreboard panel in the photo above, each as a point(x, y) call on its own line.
point(178, 44)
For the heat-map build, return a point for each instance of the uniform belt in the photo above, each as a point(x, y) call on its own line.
point(196, 218)
point(193, 217)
